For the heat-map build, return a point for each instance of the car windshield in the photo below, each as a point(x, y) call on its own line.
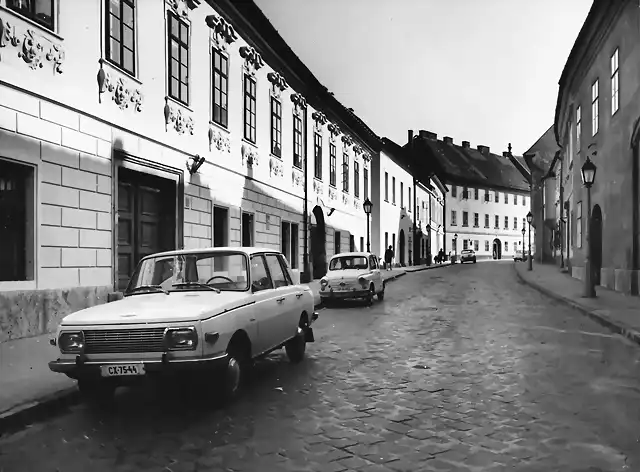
point(348, 262)
point(224, 271)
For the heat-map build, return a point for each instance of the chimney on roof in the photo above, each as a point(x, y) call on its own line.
point(466, 144)
point(483, 149)
point(447, 140)
point(428, 134)
point(410, 136)
point(505, 154)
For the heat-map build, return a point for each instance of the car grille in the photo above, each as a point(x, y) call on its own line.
point(124, 340)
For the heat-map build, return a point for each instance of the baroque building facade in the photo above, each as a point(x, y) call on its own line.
point(597, 117)
point(120, 138)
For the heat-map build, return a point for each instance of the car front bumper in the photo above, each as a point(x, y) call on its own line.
point(467, 259)
point(82, 367)
point(344, 294)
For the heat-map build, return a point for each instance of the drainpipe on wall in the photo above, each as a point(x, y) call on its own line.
point(306, 276)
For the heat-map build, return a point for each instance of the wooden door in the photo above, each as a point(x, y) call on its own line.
point(146, 221)
point(13, 222)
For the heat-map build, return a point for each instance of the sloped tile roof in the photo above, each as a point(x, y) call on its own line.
point(468, 166)
point(545, 149)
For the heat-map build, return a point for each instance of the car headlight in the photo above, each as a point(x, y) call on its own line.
point(181, 339)
point(324, 283)
point(71, 342)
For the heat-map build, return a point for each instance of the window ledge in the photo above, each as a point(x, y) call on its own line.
point(318, 179)
point(41, 29)
point(219, 127)
point(249, 143)
point(117, 69)
point(18, 286)
point(179, 103)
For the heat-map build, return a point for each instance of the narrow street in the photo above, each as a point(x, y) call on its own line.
point(458, 369)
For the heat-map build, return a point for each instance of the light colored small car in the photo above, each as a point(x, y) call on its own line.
point(520, 256)
point(204, 311)
point(467, 255)
point(352, 275)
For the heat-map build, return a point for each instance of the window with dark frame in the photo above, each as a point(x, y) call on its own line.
point(178, 59)
point(332, 164)
point(297, 141)
point(454, 191)
point(365, 183)
point(615, 82)
point(345, 172)
point(465, 218)
point(249, 108)
point(506, 222)
point(120, 41)
point(386, 186)
point(276, 127)
point(220, 88)
point(476, 220)
point(497, 197)
point(595, 109)
point(40, 11)
point(317, 155)
point(15, 217)
point(393, 190)
point(356, 179)
point(496, 222)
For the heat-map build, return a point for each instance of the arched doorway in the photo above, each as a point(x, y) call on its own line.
point(497, 249)
point(596, 243)
point(401, 245)
point(318, 251)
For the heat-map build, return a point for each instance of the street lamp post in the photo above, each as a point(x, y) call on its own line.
point(524, 230)
point(455, 246)
point(368, 206)
point(529, 220)
point(588, 172)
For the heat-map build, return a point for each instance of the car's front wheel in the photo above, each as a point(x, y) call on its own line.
point(297, 346)
point(233, 375)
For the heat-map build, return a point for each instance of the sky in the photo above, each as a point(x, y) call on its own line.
point(483, 71)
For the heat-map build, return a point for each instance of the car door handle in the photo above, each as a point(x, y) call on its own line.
point(280, 300)
point(298, 295)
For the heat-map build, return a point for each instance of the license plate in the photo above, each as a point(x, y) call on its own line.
point(118, 370)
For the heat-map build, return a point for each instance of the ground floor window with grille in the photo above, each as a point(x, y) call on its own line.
point(476, 245)
point(506, 246)
point(17, 222)
point(486, 245)
point(352, 243)
point(465, 244)
point(289, 243)
point(336, 242)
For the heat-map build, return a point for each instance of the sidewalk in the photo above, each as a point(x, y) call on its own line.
point(616, 311)
point(29, 390)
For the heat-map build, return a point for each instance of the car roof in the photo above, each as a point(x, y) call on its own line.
point(249, 250)
point(355, 253)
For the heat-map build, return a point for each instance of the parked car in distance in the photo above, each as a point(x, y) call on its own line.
point(352, 275)
point(208, 312)
point(467, 255)
point(520, 256)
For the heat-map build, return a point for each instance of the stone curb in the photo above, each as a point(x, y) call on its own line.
point(18, 417)
point(616, 327)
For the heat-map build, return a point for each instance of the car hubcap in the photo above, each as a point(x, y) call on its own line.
point(233, 374)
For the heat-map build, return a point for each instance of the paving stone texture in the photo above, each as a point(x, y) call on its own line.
point(462, 369)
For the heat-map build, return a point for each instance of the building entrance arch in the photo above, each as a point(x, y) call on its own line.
point(497, 249)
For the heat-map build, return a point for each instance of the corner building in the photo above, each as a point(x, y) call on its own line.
point(183, 123)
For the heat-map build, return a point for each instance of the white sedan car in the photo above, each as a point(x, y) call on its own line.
point(205, 311)
point(352, 275)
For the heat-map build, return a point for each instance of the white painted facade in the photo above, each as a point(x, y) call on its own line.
point(393, 213)
point(75, 123)
point(496, 218)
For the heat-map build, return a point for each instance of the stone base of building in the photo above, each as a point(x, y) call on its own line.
point(621, 280)
point(25, 314)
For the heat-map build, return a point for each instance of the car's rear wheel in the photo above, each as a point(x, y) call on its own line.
point(297, 346)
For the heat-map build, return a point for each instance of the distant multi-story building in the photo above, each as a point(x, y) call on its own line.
point(597, 117)
point(400, 201)
point(128, 128)
point(487, 199)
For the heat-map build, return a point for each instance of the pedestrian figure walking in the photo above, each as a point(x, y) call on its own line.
point(388, 257)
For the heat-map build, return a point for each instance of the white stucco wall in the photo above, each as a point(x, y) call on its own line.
point(511, 237)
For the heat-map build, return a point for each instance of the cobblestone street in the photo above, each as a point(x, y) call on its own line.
point(458, 369)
